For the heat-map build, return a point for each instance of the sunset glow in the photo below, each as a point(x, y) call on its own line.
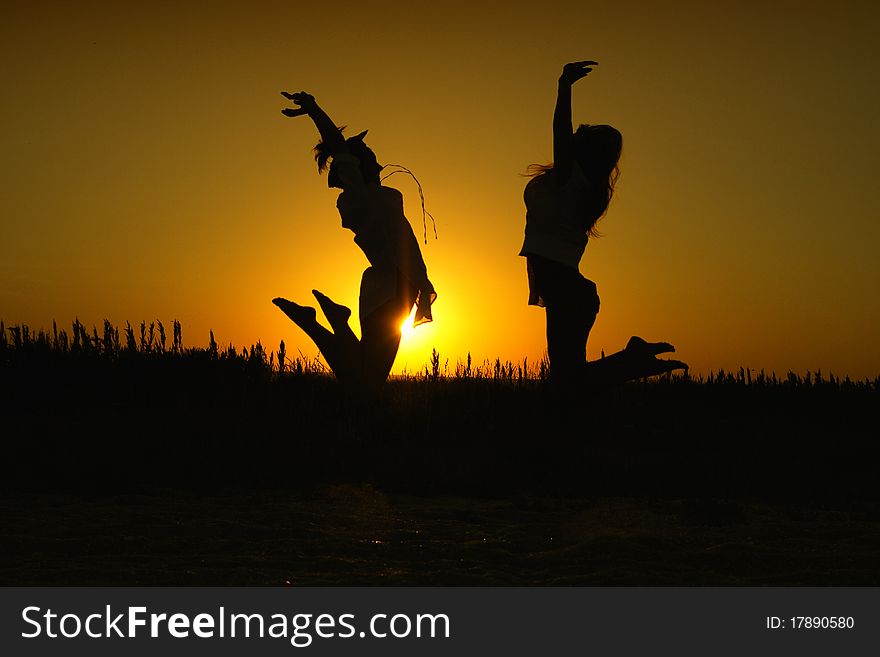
point(406, 327)
point(148, 173)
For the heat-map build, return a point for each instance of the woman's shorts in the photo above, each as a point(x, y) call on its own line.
point(553, 284)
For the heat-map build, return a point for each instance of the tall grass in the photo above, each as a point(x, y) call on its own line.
point(19, 343)
point(115, 407)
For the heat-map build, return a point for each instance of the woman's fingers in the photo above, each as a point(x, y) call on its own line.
point(580, 66)
point(300, 98)
point(574, 71)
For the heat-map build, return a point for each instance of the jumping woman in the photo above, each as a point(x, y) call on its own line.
point(564, 201)
point(396, 279)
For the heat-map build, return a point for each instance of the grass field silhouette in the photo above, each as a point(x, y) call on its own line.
point(122, 429)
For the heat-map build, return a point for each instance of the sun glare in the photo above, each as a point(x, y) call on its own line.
point(406, 328)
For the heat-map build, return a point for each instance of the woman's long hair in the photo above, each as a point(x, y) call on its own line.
point(597, 151)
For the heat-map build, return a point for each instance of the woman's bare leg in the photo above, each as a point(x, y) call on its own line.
point(380, 341)
point(341, 353)
point(568, 328)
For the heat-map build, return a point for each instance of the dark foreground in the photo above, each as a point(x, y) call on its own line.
point(128, 466)
point(355, 535)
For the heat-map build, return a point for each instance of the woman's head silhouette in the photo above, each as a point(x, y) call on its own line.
point(597, 151)
point(356, 146)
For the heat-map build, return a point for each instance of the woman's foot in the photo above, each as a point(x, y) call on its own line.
point(299, 314)
point(642, 348)
point(642, 356)
point(637, 360)
point(336, 313)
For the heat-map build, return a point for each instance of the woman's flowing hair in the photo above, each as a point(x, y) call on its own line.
point(597, 150)
point(356, 146)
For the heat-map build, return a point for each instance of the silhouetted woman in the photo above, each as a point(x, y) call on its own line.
point(564, 201)
point(396, 279)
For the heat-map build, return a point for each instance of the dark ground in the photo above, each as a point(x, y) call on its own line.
point(126, 467)
point(355, 535)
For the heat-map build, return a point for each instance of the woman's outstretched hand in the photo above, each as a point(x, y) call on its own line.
point(574, 71)
point(305, 102)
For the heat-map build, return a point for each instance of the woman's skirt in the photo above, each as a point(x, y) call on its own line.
point(554, 284)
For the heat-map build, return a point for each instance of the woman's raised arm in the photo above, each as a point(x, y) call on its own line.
point(306, 104)
point(563, 134)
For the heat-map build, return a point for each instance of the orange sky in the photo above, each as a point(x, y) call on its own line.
point(147, 172)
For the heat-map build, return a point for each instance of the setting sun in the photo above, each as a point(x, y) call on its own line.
point(406, 328)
